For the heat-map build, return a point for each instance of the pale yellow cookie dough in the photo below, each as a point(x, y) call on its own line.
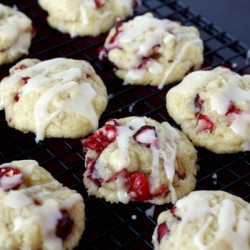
point(139, 159)
point(54, 98)
point(37, 212)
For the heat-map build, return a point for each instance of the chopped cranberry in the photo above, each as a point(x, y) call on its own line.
point(25, 79)
point(17, 97)
point(117, 31)
point(90, 163)
point(64, 225)
point(162, 230)
point(33, 32)
point(204, 123)
point(88, 75)
point(146, 135)
point(102, 53)
point(232, 109)
point(123, 172)
point(139, 184)
point(173, 212)
point(10, 178)
point(102, 138)
point(18, 67)
point(198, 102)
point(143, 63)
point(99, 4)
point(98, 142)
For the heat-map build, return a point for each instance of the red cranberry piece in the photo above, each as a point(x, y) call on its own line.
point(143, 63)
point(162, 230)
point(198, 102)
point(139, 184)
point(102, 53)
point(102, 138)
point(90, 162)
point(33, 32)
point(232, 109)
point(146, 135)
point(10, 178)
point(117, 31)
point(204, 123)
point(123, 172)
point(17, 97)
point(64, 225)
point(99, 4)
point(18, 67)
point(173, 212)
point(25, 79)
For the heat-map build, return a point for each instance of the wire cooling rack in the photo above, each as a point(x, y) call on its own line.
point(119, 226)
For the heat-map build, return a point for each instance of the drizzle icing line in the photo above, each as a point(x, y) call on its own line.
point(178, 59)
point(124, 133)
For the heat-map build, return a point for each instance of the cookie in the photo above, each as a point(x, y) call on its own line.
point(16, 34)
point(139, 159)
point(86, 17)
point(37, 212)
point(213, 109)
point(205, 220)
point(54, 98)
point(147, 50)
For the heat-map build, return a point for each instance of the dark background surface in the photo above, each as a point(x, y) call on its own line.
point(229, 15)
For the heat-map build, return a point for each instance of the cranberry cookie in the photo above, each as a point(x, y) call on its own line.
point(55, 98)
point(37, 212)
point(205, 220)
point(139, 159)
point(16, 34)
point(213, 109)
point(86, 17)
point(147, 50)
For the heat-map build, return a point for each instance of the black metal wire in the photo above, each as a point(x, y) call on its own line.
point(118, 226)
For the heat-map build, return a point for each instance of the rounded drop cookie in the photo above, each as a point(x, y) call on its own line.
point(16, 34)
point(213, 109)
point(147, 50)
point(86, 17)
point(204, 220)
point(139, 159)
point(37, 212)
point(58, 97)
